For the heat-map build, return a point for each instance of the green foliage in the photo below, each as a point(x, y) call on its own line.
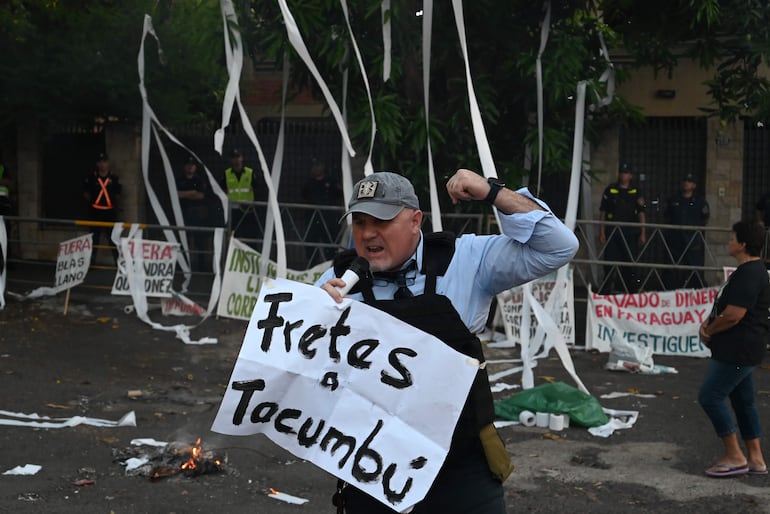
point(77, 59)
point(503, 41)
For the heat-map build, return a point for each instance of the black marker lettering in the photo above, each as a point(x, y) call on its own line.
point(248, 387)
point(272, 321)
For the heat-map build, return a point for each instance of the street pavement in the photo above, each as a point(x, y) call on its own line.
point(99, 362)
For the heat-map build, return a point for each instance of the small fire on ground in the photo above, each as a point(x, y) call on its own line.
point(179, 458)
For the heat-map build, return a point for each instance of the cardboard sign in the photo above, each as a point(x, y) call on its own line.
point(666, 321)
point(357, 392)
point(511, 305)
point(154, 263)
point(241, 280)
point(72, 262)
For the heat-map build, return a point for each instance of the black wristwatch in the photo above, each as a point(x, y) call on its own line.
point(495, 185)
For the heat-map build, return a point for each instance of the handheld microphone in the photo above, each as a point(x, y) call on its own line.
point(353, 274)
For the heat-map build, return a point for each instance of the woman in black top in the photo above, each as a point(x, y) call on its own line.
point(737, 333)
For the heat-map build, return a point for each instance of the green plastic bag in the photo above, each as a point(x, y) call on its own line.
point(557, 398)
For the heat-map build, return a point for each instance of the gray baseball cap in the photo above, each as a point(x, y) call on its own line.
point(382, 195)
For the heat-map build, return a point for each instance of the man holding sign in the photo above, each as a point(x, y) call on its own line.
point(444, 286)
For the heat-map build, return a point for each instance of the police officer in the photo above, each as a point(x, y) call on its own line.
point(240, 186)
point(192, 190)
point(444, 286)
point(622, 202)
point(687, 247)
point(101, 190)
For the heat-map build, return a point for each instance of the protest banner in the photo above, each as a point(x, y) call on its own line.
point(179, 307)
point(511, 305)
point(357, 392)
point(666, 321)
point(72, 261)
point(154, 262)
point(241, 280)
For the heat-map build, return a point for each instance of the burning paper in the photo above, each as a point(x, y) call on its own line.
point(160, 461)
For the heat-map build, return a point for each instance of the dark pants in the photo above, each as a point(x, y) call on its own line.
point(463, 486)
point(623, 246)
point(687, 249)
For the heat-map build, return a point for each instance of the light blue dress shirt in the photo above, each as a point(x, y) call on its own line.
point(531, 245)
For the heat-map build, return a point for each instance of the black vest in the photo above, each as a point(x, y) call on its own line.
point(435, 314)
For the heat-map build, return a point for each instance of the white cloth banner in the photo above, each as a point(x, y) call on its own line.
point(241, 280)
point(666, 321)
point(357, 392)
point(153, 263)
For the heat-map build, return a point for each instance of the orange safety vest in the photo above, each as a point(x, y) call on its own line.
point(104, 195)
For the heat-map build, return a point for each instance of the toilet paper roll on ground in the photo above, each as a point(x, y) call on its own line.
point(556, 422)
point(527, 418)
point(541, 419)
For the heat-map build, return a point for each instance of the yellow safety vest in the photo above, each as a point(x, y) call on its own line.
point(239, 190)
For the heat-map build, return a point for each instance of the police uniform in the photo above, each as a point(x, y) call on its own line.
point(451, 301)
point(624, 205)
point(239, 186)
point(687, 246)
point(103, 193)
point(763, 206)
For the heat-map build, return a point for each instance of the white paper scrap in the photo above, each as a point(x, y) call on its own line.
point(616, 394)
point(37, 421)
point(286, 497)
point(619, 419)
point(135, 462)
point(148, 441)
point(26, 469)
point(502, 386)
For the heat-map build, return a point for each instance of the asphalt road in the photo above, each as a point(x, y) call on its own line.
point(102, 363)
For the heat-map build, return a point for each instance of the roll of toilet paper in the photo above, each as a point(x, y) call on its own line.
point(556, 422)
point(541, 419)
point(527, 418)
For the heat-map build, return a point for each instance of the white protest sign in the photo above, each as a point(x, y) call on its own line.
point(357, 392)
point(72, 261)
point(179, 307)
point(241, 281)
point(666, 321)
point(154, 263)
point(511, 305)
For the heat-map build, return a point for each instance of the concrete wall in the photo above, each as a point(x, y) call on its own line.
point(724, 147)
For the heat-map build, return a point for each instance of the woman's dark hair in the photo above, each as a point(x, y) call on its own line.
point(752, 234)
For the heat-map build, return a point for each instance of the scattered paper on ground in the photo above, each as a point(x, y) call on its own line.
point(286, 497)
point(26, 469)
point(20, 419)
